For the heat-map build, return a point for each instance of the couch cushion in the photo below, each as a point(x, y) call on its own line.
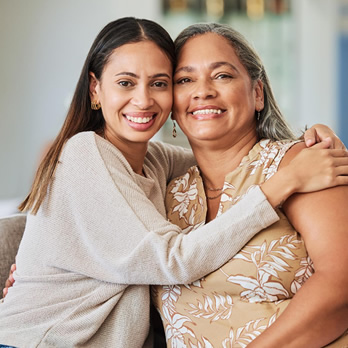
point(11, 231)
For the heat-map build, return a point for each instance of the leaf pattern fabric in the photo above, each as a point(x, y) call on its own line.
point(233, 305)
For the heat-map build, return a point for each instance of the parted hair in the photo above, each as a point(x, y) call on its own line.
point(271, 124)
point(80, 116)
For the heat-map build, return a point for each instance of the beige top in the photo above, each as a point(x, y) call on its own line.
point(232, 305)
point(100, 237)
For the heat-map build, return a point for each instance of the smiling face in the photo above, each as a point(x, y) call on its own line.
point(135, 92)
point(214, 97)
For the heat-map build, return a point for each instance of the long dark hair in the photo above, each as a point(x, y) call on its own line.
point(80, 116)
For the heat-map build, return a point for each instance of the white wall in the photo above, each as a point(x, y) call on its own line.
point(43, 45)
point(42, 48)
point(316, 37)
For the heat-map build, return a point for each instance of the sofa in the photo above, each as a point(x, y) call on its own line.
point(11, 231)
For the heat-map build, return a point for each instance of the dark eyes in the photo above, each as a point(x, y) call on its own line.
point(156, 84)
point(125, 83)
point(223, 77)
point(183, 81)
point(160, 84)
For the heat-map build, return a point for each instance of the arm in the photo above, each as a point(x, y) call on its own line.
point(320, 168)
point(313, 169)
point(114, 227)
point(318, 313)
point(318, 133)
point(176, 158)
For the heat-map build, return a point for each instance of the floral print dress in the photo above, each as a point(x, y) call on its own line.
point(233, 305)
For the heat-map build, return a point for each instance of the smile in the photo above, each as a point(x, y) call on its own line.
point(139, 119)
point(207, 112)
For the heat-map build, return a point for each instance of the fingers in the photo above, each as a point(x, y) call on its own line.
point(4, 292)
point(10, 280)
point(310, 137)
point(324, 144)
point(342, 180)
point(342, 171)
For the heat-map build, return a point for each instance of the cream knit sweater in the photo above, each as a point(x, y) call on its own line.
point(100, 237)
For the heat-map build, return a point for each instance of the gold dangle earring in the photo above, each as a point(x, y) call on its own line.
point(95, 105)
point(174, 130)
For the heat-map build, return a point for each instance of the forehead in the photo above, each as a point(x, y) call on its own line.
point(144, 55)
point(207, 47)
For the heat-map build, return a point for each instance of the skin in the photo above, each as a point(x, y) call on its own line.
point(130, 85)
point(136, 83)
point(219, 140)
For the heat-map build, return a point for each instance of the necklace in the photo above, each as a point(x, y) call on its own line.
point(211, 188)
point(215, 190)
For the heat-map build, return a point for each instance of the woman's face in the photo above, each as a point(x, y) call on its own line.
point(135, 92)
point(214, 97)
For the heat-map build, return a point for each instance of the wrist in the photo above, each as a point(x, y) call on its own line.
point(279, 188)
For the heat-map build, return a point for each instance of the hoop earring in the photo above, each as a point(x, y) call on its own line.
point(95, 105)
point(174, 133)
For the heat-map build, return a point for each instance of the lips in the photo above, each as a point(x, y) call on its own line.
point(140, 118)
point(207, 111)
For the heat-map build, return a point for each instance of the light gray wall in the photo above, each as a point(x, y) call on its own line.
point(316, 38)
point(43, 45)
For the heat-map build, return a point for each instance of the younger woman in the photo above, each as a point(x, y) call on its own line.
point(97, 235)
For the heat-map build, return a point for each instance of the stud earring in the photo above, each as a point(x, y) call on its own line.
point(174, 130)
point(95, 105)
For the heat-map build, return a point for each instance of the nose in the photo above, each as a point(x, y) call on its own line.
point(142, 98)
point(204, 89)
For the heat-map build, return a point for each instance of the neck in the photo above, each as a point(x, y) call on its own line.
point(215, 160)
point(132, 151)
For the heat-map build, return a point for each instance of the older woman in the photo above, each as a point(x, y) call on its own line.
point(288, 286)
point(97, 233)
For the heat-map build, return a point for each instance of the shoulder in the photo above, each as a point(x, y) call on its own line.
point(79, 144)
point(292, 152)
point(281, 146)
point(158, 148)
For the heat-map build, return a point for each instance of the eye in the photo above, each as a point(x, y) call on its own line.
point(223, 76)
point(125, 83)
point(183, 80)
point(160, 84)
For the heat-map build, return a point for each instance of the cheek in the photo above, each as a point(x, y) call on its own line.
point(180, 101)
point(166, 101)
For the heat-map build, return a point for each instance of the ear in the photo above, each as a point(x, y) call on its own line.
point(259, 96)
point(172, 115)
point(93, 87)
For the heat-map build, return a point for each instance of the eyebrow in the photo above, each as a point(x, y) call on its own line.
point(212, 66)
point(155, 76)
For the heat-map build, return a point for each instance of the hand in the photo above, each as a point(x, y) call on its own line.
point(9, 282)
point(319, 132)
point(319, 167)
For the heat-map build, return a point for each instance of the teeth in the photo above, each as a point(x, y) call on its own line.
point(207, 111)
point(139, 119)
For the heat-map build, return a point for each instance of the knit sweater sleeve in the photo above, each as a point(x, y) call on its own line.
point(122, 238)
point(176, 160)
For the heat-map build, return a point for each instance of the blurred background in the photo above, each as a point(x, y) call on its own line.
point(43, 44)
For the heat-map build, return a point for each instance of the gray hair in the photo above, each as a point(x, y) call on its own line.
point(271, 124)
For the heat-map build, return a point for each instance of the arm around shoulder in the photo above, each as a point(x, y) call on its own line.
point(318, 313)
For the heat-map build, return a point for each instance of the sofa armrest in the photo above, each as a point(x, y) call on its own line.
point(11, 231)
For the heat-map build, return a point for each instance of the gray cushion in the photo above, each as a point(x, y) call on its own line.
point(11, 231)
